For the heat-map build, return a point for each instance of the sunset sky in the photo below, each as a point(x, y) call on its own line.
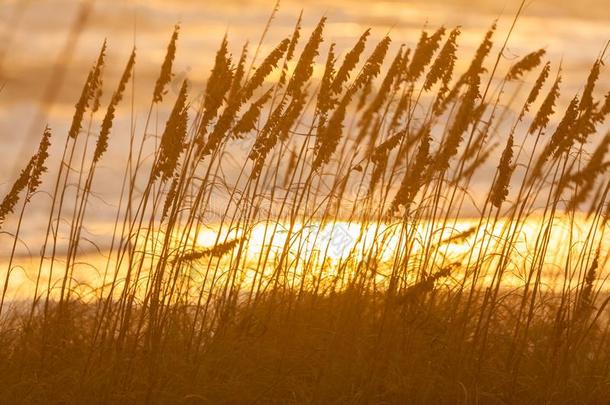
point(35, 38)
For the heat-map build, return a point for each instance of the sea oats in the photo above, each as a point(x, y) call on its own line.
point(87, 94)
point(304, 68)
point(117, 96)
point(349, 63)
point(382, 94)
point(462, 121)
point(535, 91)
point(526, 64)
point(265, 68)
point(412, 180)
point(294, 39)
point(29, 178)
point(218, 84)
point(172, 140)
point(541, 119)
point(423, 53)
point(238, 74)
point(165, 76)
point(325, 97)
point(475, 68)
point(248, 121)
point(499, 190)
point(442, 68)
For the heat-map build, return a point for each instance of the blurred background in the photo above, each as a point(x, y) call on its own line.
point(47, 47)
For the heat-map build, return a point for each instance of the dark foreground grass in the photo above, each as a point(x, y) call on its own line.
point(345, 348)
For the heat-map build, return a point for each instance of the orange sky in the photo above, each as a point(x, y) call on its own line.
point(35, 32)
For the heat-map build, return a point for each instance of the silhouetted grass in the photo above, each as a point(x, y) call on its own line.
point(336, 268)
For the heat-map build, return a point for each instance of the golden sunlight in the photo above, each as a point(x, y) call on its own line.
point(244, 201)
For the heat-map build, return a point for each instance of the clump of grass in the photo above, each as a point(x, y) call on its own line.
point(336, 269)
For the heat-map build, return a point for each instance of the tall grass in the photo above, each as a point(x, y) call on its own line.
point(302, 239)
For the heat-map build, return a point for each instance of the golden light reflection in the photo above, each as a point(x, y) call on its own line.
point(343, 250)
